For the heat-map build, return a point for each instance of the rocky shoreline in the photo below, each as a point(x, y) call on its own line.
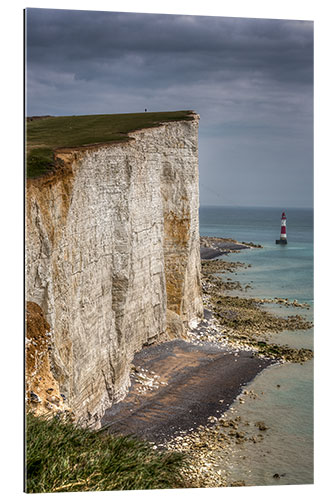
point(183, 393)
point(243, 321)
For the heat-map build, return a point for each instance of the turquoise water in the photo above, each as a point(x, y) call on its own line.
point(276, 271)
point(279, 270)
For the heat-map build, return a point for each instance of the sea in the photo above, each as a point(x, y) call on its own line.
point(285, 391)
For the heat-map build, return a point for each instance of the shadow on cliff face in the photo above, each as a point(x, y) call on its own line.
point(177, 386)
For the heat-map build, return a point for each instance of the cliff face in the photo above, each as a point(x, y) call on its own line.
point(112, 257)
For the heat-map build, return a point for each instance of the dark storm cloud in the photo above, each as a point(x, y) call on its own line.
point(251, 80)
point(89, 44)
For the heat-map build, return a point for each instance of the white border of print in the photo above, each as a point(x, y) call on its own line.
point(12, 232)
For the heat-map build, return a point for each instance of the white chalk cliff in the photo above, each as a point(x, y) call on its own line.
point(112, 257)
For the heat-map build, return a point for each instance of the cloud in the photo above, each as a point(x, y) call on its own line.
point(203, 47)
point(251, 80)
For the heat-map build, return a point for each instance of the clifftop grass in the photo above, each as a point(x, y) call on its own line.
point(45, 135)
point(63, 457)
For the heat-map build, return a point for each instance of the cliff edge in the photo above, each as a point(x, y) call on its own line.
point(112, 256)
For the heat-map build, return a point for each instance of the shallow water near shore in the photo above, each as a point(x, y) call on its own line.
point(287, 447)
point(275, 271)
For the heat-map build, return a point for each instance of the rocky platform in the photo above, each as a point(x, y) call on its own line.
point(211, 246)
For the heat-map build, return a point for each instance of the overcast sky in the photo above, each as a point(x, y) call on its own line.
point(251, 81)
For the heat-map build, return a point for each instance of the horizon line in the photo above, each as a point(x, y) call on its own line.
point(281, 207)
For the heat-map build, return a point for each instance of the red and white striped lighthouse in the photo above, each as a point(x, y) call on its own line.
point(283, 233)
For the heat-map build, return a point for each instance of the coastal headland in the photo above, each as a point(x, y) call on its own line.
point(131, 324)
point(112, 247)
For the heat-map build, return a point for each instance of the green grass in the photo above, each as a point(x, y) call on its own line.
point(63, 457)
point(39, 161)
point(46, 135)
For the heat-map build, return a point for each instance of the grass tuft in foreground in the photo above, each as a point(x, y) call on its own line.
point(61, 456)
